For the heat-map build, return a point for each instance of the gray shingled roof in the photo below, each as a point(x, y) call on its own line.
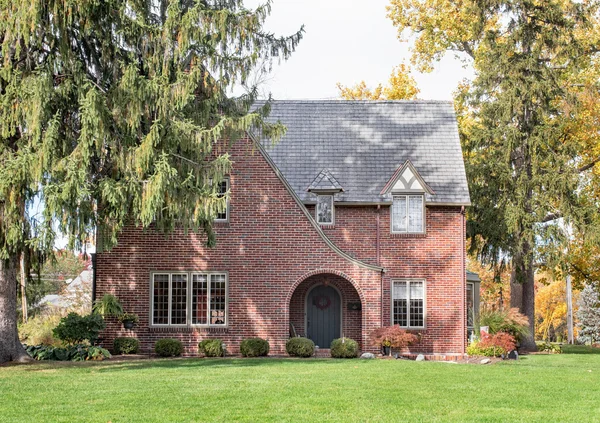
point(362, 143)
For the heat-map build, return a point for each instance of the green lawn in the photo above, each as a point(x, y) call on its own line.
point(556, 388)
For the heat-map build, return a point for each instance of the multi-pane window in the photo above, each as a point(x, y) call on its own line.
point(408, 304)
point(222, 190)
point(324, 209)
point(408, 214)
point(184, 299)
point(470, 305)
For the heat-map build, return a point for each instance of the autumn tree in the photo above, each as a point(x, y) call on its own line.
point(524, 168)
point(109, 115)
point(401, 86)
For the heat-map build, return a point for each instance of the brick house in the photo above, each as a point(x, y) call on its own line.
point(354, 220)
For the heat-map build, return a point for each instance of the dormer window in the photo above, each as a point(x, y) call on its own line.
point(408, 190)
point(324, 210)
point(222, 189)
point(408, 214)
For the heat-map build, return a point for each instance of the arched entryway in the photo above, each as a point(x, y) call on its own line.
point(326, 306)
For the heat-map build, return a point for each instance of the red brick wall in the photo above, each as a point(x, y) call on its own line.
point(269, 248)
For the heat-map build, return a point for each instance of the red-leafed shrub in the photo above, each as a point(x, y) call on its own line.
point(393, 336)
point(493, 345)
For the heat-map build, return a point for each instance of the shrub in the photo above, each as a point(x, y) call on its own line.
point(168, 347)
point(38, 329)
point(254, 347)
point(126, 345)
point(509, 321)
point(300, 347)
point(211, 348)
point(75, 329)
point(548, 347)
point(344, 348)
point(392, 336)
point(495, 345)
point(78, 352)
point(108, 305)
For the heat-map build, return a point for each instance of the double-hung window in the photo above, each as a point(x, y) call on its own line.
point(408, 214)
point(189, 299)
point(324, 209)
point(223, 215)
point(408, 304)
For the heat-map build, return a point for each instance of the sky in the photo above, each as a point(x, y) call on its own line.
point(345, 41)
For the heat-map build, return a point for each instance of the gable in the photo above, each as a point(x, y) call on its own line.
point(407, 179)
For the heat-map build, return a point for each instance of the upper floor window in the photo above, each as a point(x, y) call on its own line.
point(408, 214)
point(223, 187)
point(184, 299)
point(324, 209)
point(408, 304)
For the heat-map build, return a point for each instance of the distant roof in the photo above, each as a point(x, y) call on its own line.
point(81, 282)
point(362, 144)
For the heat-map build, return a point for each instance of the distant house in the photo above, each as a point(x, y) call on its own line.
point(76, 294)
point(353, 221)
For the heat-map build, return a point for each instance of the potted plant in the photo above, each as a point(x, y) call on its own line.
point(129, 320)
point(392, 337)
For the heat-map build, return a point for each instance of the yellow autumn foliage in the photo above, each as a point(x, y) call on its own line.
point(551, 311)
point(401, 86)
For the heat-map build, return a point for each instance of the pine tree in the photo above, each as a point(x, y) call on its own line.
point(589, 314)
point(524, 166)
point(109, 115)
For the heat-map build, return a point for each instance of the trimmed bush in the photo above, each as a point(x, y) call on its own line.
point(300, 347)
point(126, 345)
point(344, 348)
point(168, 347)
point(211, 348)
point(75, 329)
point(254, 347)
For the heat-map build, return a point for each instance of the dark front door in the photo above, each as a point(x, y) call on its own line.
point(323, 315)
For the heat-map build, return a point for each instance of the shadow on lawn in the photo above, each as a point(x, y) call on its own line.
point(178, 363)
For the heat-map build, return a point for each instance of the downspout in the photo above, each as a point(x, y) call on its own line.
point(377, 247)
point(93, 278)
point(464, 278)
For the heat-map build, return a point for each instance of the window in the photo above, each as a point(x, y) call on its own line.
point(222, 190)
point(470, 304)
point(408, 304)
point(408, 214)
point(184, 299)
point(324, 209)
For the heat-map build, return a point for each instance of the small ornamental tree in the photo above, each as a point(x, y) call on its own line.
point(393, 336)
point(589, 314)
point(110, 112)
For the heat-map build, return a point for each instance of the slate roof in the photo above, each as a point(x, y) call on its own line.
point(362, 144)
point(325, 181)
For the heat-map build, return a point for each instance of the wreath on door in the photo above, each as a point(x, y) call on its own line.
point(322, 302)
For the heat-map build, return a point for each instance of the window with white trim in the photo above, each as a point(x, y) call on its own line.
point(470, 304)
point(222, 189)
point(189, 299)
point(408, 214)
point(408, 304)
point(324, 209)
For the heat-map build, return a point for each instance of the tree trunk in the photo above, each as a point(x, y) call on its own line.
point(522, 295)
point(10, 346)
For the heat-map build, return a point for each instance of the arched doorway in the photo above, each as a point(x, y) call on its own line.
point(326, 306)
point(323, 315)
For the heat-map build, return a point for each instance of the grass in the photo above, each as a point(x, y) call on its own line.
point(536, 388)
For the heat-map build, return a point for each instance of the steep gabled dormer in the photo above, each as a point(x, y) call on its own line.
point(325, 186)
point(408, 190)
